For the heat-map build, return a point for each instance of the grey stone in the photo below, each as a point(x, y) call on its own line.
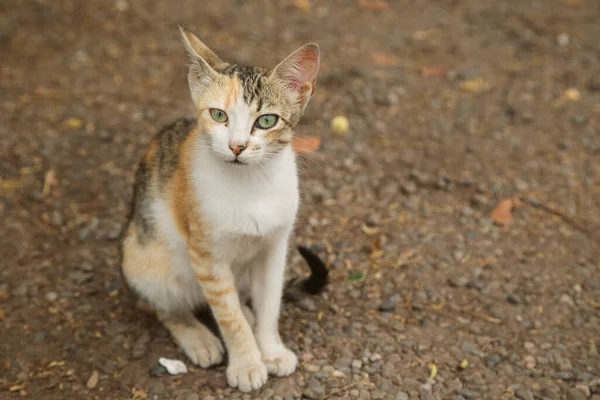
point(378, 395)
point(390, 303)
point(470, 348)
point(364, 395)
point(402, 396)
point(575, 394)
point(80, 277)
point(594, 386)
point(524, 394)
point(551, 393)
point(467, 394)
point(459, 281)
point(307, 304)
point(315, 389)
point(493, 360)
point(425, 394)
point(157, 370)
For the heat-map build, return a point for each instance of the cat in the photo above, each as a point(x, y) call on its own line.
point(215, 200)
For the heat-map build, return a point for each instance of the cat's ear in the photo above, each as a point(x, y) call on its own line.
point(298, 72)
point(203, 62)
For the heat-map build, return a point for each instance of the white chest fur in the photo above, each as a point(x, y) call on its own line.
point(245, 205)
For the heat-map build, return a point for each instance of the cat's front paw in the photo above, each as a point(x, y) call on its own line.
point(246, 376)
point(280, 361)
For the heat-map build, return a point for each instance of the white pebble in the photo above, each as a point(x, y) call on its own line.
point(563, 39)
point(174, 367)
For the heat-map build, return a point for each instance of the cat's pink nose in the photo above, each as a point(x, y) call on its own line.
point(237, 148)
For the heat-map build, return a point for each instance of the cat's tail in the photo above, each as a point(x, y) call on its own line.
point(315, 283)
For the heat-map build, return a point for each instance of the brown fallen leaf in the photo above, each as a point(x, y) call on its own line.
point(138, 394)
point(385, 59)
point(304, 5)
point(373, 5)
point(502, 213)
point(476, 85)
point(49, 181)
point(306, 144)
point(433, 71)
point(73, 123)
point(93, 380)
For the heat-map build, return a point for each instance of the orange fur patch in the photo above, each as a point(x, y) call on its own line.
point(219, 292)
point(233, 90)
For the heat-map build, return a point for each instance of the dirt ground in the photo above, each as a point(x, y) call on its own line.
point(453, 107)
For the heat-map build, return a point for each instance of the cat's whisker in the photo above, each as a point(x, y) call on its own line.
point(310, 159)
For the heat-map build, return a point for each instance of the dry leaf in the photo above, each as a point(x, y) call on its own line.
point(369, 231)
point(373, 5)
point(49, 181)
point(56, 364)
point(476, 86)
point(304, 5)
point(502, 213)
point(73, 123)
point(433, 371)
point(434, 71)
point(138, 394)
point(385, 59)
point(306, 144)
point(572, 94)
point(93, 380)
point(425, 34)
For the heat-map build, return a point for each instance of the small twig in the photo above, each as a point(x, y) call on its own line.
point(346, 387)
point(483, 317)
point(540, 206)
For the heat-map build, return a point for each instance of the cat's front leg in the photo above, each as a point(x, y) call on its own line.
point(246, 370)
point(267, 276)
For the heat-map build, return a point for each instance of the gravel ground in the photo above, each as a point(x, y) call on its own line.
point(453, 107)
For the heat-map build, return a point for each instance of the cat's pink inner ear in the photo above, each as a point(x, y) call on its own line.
point(300, 69)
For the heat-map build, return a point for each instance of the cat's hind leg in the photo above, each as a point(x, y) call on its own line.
point(154, 272)
point(197, 341)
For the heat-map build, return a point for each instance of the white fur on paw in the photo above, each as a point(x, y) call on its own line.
point(280, 361)
point(202, 347)
point(246, 376)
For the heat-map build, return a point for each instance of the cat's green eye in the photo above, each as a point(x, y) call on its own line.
point(266, 121)
point(218, 115)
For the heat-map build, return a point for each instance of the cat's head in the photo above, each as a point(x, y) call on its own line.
point(249, 113)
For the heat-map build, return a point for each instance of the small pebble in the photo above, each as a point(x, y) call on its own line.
point(524, 394)
point(563, 39)
point(93, 380)
point(51, 296)
point(157, 370)
point(390, 303)
point(575, 394)
point(467, 394)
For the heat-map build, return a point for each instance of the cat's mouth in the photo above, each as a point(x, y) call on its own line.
point(236, 162)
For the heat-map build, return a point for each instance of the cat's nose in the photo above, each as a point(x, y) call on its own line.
point(237, 148)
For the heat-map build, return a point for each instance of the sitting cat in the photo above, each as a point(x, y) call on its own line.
point(214, 205)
